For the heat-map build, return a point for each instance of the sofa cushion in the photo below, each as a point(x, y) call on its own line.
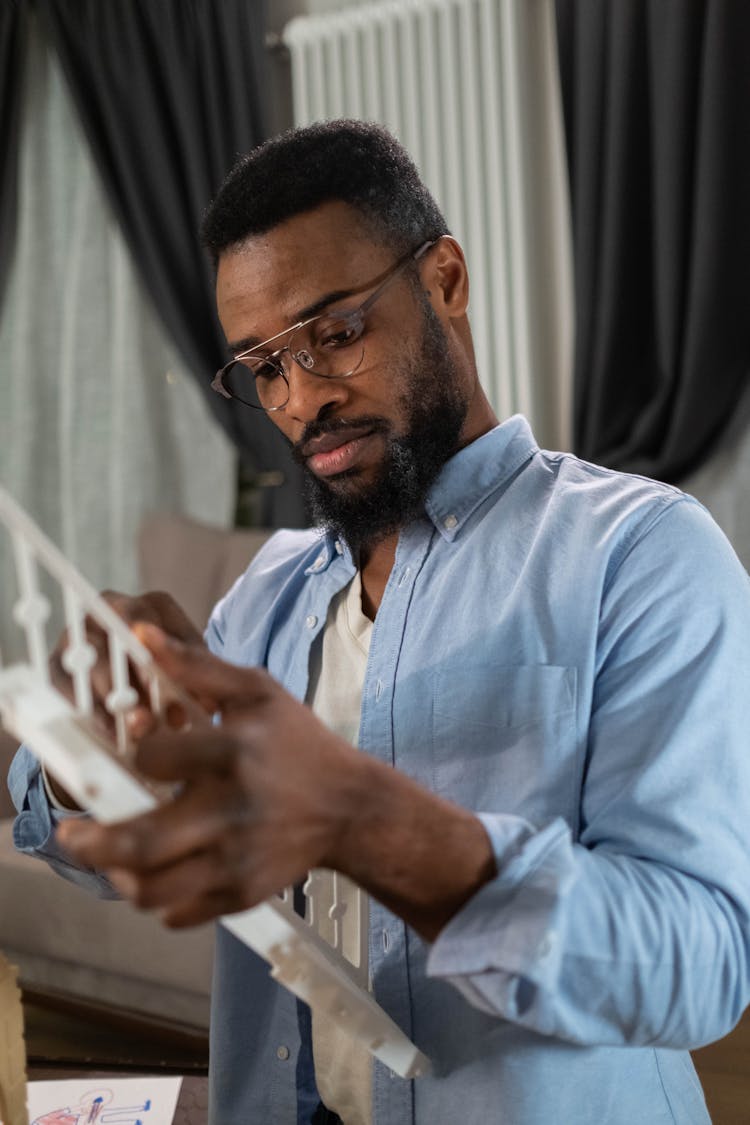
point(195, 563)
point(63, 939)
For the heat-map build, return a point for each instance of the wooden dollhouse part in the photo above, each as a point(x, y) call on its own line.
point(12, 1050)
point(321, 957)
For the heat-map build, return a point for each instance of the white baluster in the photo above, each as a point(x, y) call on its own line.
point(360, 917)
point(337, 913)
point(123, 697)
point(79, 656)
point(308, 890)
point(32, 609)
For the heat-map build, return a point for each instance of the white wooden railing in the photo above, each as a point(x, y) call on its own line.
point(321, 957)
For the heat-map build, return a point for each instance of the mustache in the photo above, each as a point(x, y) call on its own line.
point(370, 422)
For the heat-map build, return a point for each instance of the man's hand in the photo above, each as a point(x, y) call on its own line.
point(269, 794)
point(263, 796)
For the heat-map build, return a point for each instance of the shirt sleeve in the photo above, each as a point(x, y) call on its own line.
point(35, 824)
point(637, 929)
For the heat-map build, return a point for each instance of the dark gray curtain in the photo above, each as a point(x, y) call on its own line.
point(656, 97)
point(169, 94)
point(11, 63)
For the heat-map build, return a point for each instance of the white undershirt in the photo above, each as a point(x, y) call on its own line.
point(343, 1068)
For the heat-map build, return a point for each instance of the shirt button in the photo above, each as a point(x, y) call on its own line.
point(547, 943)
point(450, 522)
point(282, 1053)
point(311, 621)
point(339, 549)
point(318, 562)
point(404, 575)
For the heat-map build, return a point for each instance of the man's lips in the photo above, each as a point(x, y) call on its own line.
point(335, 452)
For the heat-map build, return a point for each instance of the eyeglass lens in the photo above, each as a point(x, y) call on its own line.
point(330, 346)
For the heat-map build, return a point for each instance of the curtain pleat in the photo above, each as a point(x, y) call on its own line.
point(656, 96)
point(12, 36)
point(169, 95)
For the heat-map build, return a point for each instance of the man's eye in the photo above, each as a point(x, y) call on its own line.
point(261, 367)
point(338, 333)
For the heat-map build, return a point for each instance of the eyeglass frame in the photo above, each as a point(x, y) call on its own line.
point(382, 281)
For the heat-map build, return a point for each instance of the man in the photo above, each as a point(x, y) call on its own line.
point(544, 665)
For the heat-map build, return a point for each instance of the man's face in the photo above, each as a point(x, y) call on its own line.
point(431, 413)
point(371, 444)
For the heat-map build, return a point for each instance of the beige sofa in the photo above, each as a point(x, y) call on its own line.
point(64, 940)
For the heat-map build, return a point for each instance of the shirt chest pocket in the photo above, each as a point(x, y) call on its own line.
point(504, 738)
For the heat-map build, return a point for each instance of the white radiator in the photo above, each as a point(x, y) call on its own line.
point(471, 89)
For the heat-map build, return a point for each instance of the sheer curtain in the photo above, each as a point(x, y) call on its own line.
point(12, 29)
point(99, 420)
point(168, 95)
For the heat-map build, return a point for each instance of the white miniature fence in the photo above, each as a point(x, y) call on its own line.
point(322, 957)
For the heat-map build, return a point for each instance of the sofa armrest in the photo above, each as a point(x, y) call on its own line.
point(193, 562)
point(66, 941)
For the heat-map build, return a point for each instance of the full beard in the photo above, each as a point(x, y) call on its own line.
point(435, 412)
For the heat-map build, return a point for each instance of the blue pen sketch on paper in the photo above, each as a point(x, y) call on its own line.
point(97, 1107)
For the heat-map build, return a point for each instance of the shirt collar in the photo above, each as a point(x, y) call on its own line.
point(477, 470)
point(329, 548)
point(462, 485)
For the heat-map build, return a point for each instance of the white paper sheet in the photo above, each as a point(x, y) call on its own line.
point(104, 1101)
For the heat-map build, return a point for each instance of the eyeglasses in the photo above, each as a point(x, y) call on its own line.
point(329, 345)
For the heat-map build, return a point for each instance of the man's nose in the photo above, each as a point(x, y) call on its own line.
point(311, 394)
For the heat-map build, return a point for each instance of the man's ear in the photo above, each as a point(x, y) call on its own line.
point(446, 279)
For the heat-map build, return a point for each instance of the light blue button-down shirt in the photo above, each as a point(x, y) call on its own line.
point(566, 651)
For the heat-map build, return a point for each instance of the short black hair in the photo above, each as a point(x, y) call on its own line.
point(357, 162)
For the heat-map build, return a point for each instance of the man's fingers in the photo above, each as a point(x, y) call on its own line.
point(207, 908)
point(198, 889)
point(167, 755)
point(206, 677)
point(156, 607)
point(193, 877)
point(200, 875)
point(192, 822)
point(140, 720)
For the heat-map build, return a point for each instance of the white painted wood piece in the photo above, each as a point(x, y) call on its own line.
point(322, 958)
